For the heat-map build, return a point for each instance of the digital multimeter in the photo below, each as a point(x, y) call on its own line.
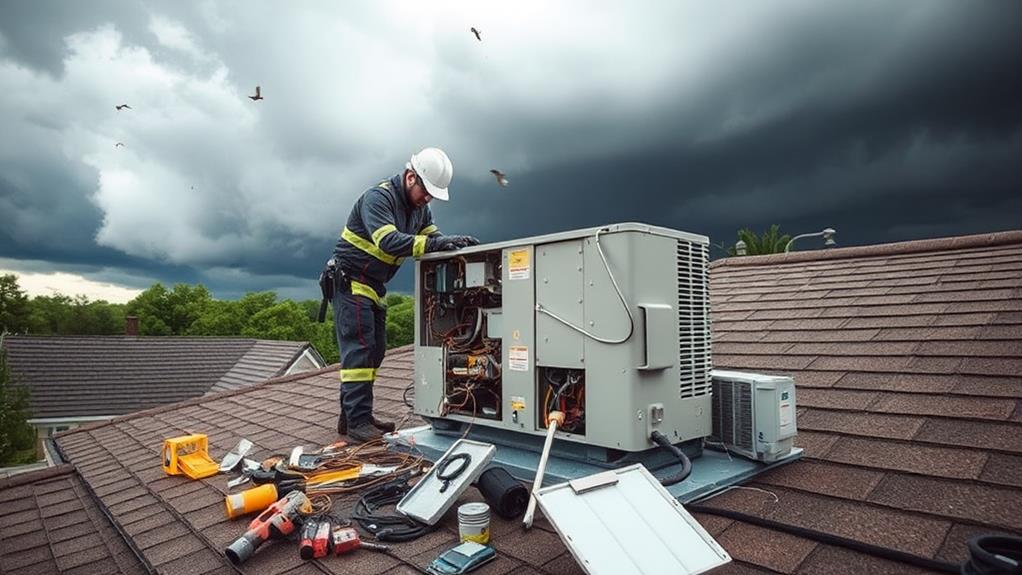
point(461, 559)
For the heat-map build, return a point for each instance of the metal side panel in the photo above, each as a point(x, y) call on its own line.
point(429, 380)
point(623, 522)
point(559, 289)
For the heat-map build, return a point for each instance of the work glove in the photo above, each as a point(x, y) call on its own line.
point(448, 243)
point(441, 244)
point(464, 241)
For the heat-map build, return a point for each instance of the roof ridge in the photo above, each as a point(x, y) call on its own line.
point(38, 475)
point(896, 248)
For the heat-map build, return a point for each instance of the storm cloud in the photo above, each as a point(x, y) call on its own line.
point(885, 120)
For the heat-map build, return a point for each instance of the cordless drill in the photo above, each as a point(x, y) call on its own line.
point(277, 522)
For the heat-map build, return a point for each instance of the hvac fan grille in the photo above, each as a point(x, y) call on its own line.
point(694, 319)
point(732, 414)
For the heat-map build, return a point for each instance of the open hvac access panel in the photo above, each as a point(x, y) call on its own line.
point(608, 325)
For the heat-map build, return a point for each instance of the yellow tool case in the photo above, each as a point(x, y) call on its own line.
point(188, 455)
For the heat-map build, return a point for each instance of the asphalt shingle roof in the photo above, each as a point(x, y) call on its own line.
point(907, 361)
point(113, 375)
point(50, 523)
point(909, 412)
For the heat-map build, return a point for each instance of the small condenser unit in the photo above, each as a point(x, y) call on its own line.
point(754, 414)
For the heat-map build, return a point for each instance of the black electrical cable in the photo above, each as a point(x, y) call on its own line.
point(821, 537)
point(391, 528)
point(442, 473)
point(994, 555)
point(686, 465)
point(404, 395)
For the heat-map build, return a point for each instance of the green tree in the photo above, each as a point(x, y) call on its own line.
point(17, 437)
point(285, 321)
point(163, 312)
point(771, 242)
point(14, 306)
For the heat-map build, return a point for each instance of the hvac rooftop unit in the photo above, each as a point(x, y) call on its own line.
point(506, 332)
point(753, 414)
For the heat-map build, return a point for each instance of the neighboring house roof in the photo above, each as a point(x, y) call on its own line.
point(112, 375)
point(49, 522)
point(906, 360)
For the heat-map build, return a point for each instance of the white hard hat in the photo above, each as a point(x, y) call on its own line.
point(435, 169)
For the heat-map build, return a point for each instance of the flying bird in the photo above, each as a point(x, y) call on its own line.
point(477, 33)
point(501, 177)
point(122, 106)
point(258, 95)
point(118, 145)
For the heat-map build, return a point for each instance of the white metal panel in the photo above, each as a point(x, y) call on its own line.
point(633, 526)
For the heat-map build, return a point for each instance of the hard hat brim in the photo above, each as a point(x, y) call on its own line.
point(438, 193)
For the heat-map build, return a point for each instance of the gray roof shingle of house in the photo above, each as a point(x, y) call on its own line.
point(906, 361)
point(112, 375)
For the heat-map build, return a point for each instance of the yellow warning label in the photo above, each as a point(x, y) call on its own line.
point(518, 358)
point(518, 264)
point(517, 403)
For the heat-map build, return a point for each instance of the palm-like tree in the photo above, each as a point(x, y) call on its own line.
point(771, 242)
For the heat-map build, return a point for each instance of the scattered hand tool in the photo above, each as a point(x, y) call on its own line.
point(277, 522)
point(346, 539)
point(234, 457)
point(555, 418)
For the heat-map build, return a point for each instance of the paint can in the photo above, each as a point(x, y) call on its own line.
point(474, 523)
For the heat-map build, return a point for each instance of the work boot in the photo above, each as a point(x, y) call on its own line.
point(384, 426)
point(364, 432)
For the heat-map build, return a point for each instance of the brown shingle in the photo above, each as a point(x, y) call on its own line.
point(833, 398)
point(824, 478)
point(772, 549)
point(882, 454)
point(829, 560)
point(857, 423)
point(1003, 469)
point(976, 434)
point(991, 505)
point(911, 382)
point(952, 406)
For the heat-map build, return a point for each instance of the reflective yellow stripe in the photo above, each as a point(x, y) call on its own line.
point(429, 230)
point(367, 246)
point(385, 184)
point(359, 288)
point(419, 247)
point(358, 374)
point(382, 232)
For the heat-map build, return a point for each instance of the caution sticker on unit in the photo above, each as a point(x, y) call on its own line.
point(518, 358)
point(517, 403)
point(518, 264)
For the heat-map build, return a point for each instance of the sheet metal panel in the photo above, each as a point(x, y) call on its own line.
point(631, 526)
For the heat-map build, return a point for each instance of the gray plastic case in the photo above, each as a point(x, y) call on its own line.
point(425, 502)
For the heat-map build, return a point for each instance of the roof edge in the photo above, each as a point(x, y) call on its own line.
point(33, 476)
point(897, 248)
point(197, 400)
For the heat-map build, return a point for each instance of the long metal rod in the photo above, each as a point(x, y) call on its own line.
point(554, 418)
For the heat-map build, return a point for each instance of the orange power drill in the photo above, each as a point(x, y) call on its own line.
point(277, 522)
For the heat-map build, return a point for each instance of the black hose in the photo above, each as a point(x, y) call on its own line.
point(821, 537)
point(394, 528)
point(686, 465)
point(994, 555)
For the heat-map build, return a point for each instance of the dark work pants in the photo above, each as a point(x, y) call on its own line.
point(361, 327)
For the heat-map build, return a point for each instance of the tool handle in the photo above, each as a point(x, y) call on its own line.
point(554, 418)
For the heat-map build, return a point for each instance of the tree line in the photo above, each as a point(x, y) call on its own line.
point(188, 310)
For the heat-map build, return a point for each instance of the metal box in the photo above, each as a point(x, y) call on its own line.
point(754, 414)
point(502, 354)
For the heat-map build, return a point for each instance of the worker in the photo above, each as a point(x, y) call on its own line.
point(390, 222)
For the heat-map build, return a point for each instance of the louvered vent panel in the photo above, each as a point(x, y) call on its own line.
point(694, 319)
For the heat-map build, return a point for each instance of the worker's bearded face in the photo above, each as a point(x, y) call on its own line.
point(417, 193)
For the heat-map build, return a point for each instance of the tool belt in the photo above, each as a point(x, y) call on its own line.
point(329, 279)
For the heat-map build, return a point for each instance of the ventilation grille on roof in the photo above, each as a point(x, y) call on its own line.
point(694, 319)
point(732, 414)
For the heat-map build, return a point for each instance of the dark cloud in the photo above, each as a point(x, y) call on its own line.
point(887, 121)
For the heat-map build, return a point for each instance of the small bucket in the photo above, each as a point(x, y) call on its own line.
point(474, 523)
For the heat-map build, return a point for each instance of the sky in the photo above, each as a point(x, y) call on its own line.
point(885, 120)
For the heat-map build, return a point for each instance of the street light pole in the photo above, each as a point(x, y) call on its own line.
point(827, 233)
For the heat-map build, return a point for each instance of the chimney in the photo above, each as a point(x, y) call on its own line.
point(131, 325)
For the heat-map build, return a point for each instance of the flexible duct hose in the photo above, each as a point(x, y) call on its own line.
point(994, 555)
point(686, 465)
